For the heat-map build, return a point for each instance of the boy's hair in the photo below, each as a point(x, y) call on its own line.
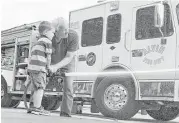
point(44, 26)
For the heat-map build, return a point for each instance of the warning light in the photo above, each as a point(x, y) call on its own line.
point(114, 5)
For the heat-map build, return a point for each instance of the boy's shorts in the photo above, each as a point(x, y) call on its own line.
point(38, 80)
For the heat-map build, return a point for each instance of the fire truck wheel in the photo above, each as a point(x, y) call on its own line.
point(48, 102)
point(164, 113)
point(115, 97)
point(57, 104)
point(5, 97)
point(14, 103)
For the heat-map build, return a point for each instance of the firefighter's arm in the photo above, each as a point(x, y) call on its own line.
point(68, 58)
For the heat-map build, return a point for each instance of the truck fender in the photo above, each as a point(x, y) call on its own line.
point(8, 77)
point(117, 67)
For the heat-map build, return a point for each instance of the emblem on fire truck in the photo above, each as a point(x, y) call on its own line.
point(152, 54)
point(91, 59)
point(153, 49)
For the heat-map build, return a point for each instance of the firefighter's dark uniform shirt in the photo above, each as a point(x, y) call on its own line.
point(61, 47)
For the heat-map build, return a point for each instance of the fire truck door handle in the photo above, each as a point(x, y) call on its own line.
point(125, 40)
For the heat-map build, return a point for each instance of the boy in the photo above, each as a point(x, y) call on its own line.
point(38, 65)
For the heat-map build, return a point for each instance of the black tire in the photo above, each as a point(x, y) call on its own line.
point(5, 97)
point(164, 113)
point(57, 104)
point(128, 110)
point(48, 102)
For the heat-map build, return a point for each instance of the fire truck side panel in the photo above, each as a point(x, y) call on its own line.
point(153, 57)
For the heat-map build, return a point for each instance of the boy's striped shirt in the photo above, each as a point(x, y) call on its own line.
point(38, 60)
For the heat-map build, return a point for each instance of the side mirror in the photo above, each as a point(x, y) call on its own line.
point(159, 15)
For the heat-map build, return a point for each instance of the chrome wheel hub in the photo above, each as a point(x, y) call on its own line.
point(115, 96)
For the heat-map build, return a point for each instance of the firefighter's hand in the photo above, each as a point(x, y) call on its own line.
point(52, 68)
point(49, 72)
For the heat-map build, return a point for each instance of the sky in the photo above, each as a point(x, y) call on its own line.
point(19, 12)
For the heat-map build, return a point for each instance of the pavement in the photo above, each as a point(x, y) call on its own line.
point(19, 115)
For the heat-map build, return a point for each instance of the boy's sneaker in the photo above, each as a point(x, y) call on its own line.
point(40, 111)
point(44, 112)
point(35, 111)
